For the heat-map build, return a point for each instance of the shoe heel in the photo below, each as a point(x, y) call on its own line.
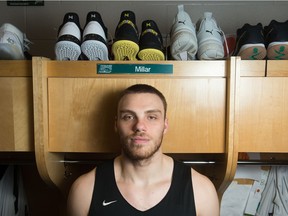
point(151, 55)
point(211, 51)
point(253, 52)
point(95, 50)
point(185, 44)
point(125, 50)
point(278, 51)
point(67, 50)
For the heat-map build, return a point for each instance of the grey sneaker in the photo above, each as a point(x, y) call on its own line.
point(13, 43)
point(183, 37)
point(210, 38)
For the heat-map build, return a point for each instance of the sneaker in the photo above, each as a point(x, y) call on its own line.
point(126, 42)
point(183, 37)
point(151, 42)
point(277, 40)
point(250, 42)
point(13, 43)
point(210, 38)
point(69, 38)
point(94, 44)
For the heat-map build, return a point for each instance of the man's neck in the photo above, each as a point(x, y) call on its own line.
point(144, 171)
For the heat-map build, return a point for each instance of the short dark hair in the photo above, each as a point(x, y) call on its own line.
point(144, 88)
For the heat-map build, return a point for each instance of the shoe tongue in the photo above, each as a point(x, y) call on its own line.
point(208, 15)
point(93, 16)
point(128, 15)
point(148, 24)
point(71, 17)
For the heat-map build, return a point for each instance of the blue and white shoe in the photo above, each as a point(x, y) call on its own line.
point(94, 44)
point(69, 38)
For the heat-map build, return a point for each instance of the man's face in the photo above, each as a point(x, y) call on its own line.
point(141, 125)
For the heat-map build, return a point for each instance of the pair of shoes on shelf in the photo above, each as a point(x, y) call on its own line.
point(255, 42)
point(13, 43)
point(128, 45)
point(71, 42)
point(204, 42)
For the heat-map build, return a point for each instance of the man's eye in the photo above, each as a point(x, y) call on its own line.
point(152, 117)
point(127, 117)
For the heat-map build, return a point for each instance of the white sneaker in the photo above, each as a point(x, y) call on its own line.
point(210, 38)
point(69, 38)
point(13, 43)
point(94, 45)
point(183, 37)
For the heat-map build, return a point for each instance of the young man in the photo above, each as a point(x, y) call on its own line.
point(142, 180)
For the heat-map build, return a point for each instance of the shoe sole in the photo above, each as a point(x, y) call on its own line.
point(10, 52)
point(210, 51)
point(278, 51)
point(125, 50)
point(151, 54)
point(95, 50)
point(252, 52)
point(67, 51)
point(183, 47)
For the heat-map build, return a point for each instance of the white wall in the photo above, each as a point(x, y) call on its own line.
point(40, 23)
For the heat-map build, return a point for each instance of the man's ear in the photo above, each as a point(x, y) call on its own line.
point(165, 125)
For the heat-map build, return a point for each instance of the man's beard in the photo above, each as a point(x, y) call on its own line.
point(138, 152)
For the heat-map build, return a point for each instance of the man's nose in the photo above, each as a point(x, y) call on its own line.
point(139, 125)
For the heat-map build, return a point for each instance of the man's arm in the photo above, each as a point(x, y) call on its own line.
point(206, 198)
point(80, 195)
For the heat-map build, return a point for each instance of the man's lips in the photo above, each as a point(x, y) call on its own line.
point(139, 139)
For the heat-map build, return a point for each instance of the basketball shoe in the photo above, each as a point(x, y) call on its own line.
point(13, 43)
point(94, 39)
point(151, 42)
point(210, 38)
point(69, 38)
point(276, 35)
point(183, 38)
point(125, 46)
point(250, 42)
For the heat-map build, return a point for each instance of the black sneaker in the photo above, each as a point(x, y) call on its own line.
point(250, 42)
point(94, 42)
point(277, 40)
point(126, 42)
point(69, 38)
point(151, 42)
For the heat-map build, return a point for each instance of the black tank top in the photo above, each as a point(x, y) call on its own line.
point(108, 201)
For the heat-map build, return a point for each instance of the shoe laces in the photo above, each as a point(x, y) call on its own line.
point(26, 43)
point(128, 22)
point(225, 43)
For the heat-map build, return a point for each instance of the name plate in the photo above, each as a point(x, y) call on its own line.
point(135, 69)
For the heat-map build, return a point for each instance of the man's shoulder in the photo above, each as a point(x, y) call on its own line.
point(86, 178)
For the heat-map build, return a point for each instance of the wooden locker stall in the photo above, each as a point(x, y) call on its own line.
point(74, 109)
point(17, 134)
point(16, 106)
point(263, 110)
